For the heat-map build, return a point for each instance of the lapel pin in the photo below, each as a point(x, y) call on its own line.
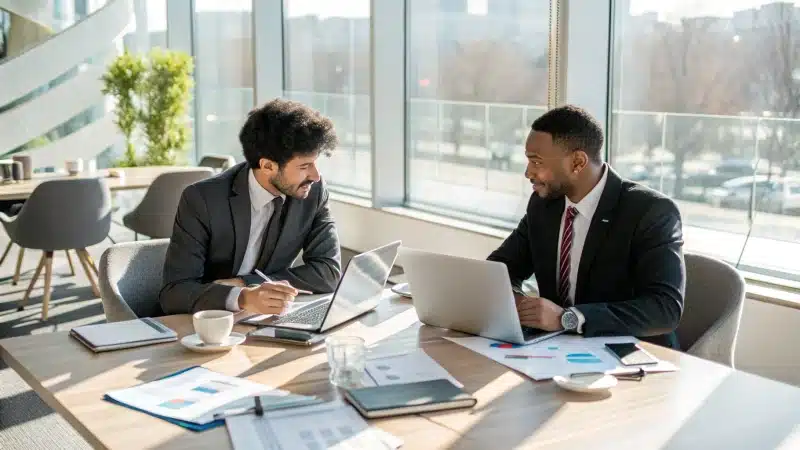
point(604, 220)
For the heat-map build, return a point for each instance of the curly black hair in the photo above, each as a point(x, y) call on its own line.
point(283, 129)
point(574, 129)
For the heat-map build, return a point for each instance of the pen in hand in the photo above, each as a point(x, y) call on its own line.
point(299, 291)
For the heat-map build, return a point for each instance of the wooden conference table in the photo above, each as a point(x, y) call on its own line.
point(134, 178)
point(702, 406)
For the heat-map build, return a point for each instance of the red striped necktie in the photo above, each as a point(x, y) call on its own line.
point(566, 249)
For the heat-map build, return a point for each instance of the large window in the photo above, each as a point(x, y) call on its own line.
point(476, 80)
point(327, 66)
point(223, 53)
point(706, 108)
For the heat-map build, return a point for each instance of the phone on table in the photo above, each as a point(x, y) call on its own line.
point(630, 354)
point(286, 336)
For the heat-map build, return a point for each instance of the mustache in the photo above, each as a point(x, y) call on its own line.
point(306, 183)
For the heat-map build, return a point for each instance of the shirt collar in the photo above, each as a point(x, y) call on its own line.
point(588, 205)
point(258, 195)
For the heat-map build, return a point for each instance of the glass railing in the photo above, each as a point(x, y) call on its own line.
point(731, 176)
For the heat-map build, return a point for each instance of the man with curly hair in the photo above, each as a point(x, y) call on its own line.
point(258, 214)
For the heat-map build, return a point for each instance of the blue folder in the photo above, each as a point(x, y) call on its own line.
point(189, 425)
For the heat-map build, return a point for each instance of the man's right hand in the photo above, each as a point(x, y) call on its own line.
point(273, 297)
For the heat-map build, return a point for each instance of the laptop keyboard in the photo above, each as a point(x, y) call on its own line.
point(305, 316)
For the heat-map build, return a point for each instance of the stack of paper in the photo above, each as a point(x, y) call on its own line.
point(191, 398)
point(562, 355)
point(333, 425)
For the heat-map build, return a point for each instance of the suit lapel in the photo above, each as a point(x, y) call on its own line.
point(552, 217)
point(598, 229)
point(240, 211)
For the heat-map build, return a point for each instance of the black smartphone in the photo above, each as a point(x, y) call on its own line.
point(630, 354)
point(286, 336)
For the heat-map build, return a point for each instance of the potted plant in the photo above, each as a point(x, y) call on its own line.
point(152, 97)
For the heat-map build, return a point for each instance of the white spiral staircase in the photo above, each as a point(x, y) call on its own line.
point(57, 80)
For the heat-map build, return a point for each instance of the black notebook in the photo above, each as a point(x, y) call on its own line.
point(410, 398)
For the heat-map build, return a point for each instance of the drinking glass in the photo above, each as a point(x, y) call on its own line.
point(346, 358)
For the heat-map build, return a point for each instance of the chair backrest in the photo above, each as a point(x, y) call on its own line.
point(222, 162)
point(155, 214)
point(715, 293)
point(65, 214)
point(130, 279)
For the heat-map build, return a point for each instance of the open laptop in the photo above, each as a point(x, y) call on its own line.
point(468, 295)
point(359, 291)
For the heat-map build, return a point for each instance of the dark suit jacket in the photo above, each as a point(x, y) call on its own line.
point(631, 278)
point(210, 235)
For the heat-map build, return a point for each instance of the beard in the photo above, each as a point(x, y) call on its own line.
point(551, 190)
point(288, 189)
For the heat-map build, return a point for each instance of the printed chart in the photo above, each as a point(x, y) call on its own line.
point(583, 358)
point(504, 345)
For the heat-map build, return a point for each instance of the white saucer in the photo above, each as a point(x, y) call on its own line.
point(193, 342)
point(402, 289)
point(593, 383)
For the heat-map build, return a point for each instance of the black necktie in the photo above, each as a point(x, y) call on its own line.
point(271, 235)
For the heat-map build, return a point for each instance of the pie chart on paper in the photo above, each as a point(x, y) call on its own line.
point(504, 345)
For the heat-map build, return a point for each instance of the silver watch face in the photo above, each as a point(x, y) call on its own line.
point(569, 320)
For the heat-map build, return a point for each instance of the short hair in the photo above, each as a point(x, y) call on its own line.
point(573, 128)
point(283, 129)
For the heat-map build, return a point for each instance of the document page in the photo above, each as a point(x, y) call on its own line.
point(333, 425)
point(406, 368)
point(194, 395)
point(561, 355)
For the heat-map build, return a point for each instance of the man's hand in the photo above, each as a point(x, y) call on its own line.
point(273, 297)
point(236, 282)
point(538, 312)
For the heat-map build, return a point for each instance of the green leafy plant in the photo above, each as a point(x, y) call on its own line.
point(123, 81)
point(152, 97)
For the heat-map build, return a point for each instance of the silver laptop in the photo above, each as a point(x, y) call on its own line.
point(469, 295)
point(359, 291)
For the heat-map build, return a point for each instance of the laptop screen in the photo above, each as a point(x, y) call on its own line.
point(361, 286)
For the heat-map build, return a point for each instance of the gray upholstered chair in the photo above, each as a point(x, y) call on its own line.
point(715, 293)
point(130, 279)
point(155, 214)
point(220, 162)
point(61, 215)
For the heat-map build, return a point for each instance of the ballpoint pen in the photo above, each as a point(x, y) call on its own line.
point(266, 278)
point(259, 408)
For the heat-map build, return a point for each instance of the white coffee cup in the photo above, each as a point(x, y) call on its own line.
point(74, 167)
point(213, 326)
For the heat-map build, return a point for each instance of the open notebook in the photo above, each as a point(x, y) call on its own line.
point(127, 334)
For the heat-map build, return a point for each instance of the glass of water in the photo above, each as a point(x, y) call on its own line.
point(346, 358)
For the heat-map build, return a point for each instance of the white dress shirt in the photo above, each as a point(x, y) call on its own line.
point(261, 209)
point(580, 228)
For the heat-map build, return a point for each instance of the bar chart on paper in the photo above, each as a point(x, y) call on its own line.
point(583, 358)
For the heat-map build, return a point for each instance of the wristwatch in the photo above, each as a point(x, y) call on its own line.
point(569, 320)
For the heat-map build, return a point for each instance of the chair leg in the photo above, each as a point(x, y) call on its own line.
point(90, 260)
point(89, 272)
point(69, 260)
point(27, 295)
point(15, 280)
point(5, 253)
point(111, 239)
point(48, 276)
point(135, 236)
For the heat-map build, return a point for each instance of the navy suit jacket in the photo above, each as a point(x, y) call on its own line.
point(632, 276)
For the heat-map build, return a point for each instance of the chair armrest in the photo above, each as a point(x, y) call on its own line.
point(6, 219)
